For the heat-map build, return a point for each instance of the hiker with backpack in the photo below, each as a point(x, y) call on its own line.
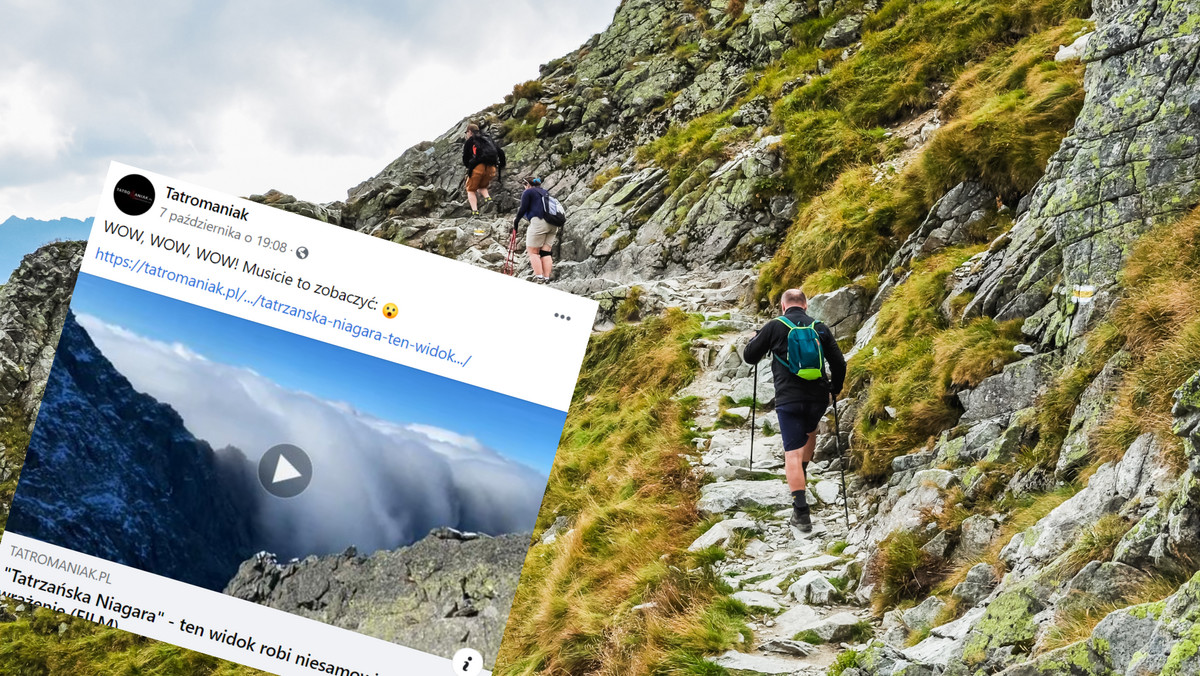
point(545, 216)
point(801, 347)
point(483, 159)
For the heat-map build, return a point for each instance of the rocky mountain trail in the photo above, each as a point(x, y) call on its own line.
point(798, 586)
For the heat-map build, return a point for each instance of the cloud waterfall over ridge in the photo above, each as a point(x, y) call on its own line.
point(376, 484)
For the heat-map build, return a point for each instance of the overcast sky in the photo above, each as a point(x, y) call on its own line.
point(309, 97)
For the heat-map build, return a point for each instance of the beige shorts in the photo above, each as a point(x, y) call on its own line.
point(540, 234)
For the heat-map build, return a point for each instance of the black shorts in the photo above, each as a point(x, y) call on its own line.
point(797, 420)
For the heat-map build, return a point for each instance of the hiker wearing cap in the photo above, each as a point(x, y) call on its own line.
point(539, 237)
point(800, 348)
point(482, 158)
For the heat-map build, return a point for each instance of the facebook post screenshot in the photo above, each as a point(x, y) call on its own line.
point(287, 444)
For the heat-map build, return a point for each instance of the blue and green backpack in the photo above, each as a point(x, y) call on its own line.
point(805, 357)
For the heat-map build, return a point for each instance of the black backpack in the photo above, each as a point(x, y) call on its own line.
point(487, 152)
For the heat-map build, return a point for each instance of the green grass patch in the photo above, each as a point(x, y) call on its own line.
point(34, 645)
point(625, 428)
point(14, 438)
point(1159, 320)
point(845, 660)
point(809, 636)
point(905, 572)
point(918, 364)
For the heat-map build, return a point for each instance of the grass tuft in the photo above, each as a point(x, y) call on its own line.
point(1159, 321)
point(625, 428)
point(905, 572)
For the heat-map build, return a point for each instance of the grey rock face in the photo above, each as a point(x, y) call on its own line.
point(924, 613)
point(842, 310)
point(1165, 537)
point(1113, 486)
point(1140, 639)
point(1187, 419)
point(769, 27)
point(980, 581)
point(755, 112)
point(1016, 387)
point(1093, 405)
point(844, 32)
point(328, 213)
point(600, 103)
point(33, 307)
point(977, 533)
point(1129, 165)
point(438, 595)
point(948, 223)
point(1108, 581)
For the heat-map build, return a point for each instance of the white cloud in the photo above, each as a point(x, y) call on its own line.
point(311, 97)
point(32, 129)
point(376, 484)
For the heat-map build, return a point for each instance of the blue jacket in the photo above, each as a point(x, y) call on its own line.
point(531, 205)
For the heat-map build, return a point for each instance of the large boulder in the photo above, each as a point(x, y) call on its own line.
point(1134, 478)
point(1097, 400)
point(844, 32)
point(1014, 388)
point(842, 310)
point(980, 581)
point(33, 307)
point(437, 595)
point(728, 495)
point(1165, 537)
point(949, 223)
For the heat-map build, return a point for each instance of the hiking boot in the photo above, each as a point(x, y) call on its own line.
point(487, 202)
point(801, 520)
point(475, 214)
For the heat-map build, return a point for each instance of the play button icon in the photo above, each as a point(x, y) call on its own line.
point(285, 471)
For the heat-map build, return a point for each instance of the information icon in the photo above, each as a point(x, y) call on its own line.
point(467, 661)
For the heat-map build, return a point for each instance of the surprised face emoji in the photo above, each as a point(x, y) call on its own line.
point(390, 310)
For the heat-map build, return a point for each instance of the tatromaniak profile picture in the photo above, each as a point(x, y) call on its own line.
point(134, 194)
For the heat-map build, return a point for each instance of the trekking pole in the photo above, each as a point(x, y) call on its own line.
point(837, 434)
point(753, 406)
point(512, 247)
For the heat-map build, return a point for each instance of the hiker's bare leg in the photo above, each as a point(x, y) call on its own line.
point(535, 260)
point(794, 470)
point(473, 200)
point(484, 193)
point(810, 448)
point(793, 467)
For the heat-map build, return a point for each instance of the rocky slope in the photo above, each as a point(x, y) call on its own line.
point(114, 473)
point(1020, 302)
point(447, 591)
point(1069, 518)
point(33, 307)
